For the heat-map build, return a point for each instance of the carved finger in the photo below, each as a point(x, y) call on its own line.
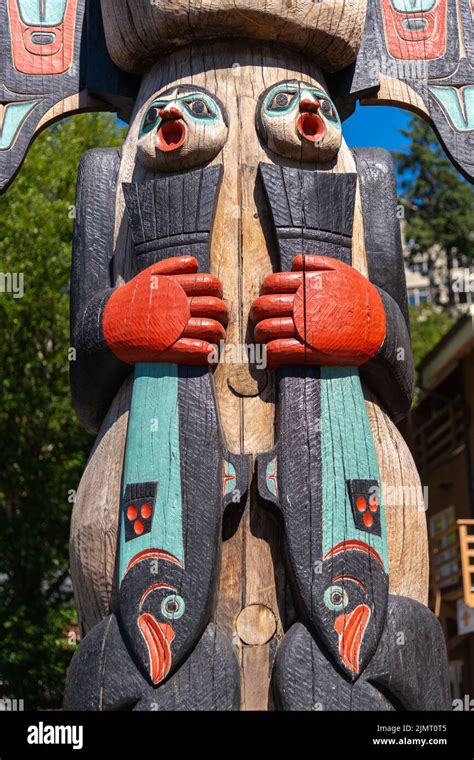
point(281, 282)
point(200, 284)
point(204, 329)
point(274, 329)
point(210, 307)
point(188, 351)
point(178, 265)
point(309, 263)
point(267, 307)
point(285, 351)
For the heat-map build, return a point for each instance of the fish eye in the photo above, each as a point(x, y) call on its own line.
point(173, 607)
point(281, 101)
point(336, 598)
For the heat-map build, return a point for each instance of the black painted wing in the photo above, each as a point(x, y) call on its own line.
point(53, 62)
point(419, 54)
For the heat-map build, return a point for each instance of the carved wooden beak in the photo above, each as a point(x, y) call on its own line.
point(158, 638)
point(350, 629)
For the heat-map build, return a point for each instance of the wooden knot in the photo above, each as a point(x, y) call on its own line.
point(256, 624)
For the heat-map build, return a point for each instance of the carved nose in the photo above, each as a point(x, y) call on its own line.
point(309, 106)
point(166, 114)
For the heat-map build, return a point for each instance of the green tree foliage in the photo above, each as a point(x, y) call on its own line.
point(44, 449)
point(439, 203)
point(428, 325)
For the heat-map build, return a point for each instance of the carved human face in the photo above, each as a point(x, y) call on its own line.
point(299, 121)
point(181, 128)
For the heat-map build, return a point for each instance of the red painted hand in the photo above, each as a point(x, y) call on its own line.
point(323, 312)
point(167, 313)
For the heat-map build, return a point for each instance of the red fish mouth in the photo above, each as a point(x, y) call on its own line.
point(158, 638)
point(171, 135)
point(351, 629)
point(311, 127)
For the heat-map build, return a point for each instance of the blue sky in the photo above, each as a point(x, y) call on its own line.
point(376, 126)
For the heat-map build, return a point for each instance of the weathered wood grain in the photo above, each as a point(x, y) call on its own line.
point(330, 31)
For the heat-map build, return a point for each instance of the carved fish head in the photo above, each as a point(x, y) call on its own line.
point(349, 601)
point(298, 120)
point(153, 611)
point(180, 128)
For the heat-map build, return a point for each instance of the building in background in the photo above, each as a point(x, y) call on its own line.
point(440, 433)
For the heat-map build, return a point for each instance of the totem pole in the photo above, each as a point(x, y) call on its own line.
point(246, 534)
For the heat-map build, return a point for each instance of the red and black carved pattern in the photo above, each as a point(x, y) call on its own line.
point(44, 65)
point(364, 496)
point(140, 500)
point(424, 59)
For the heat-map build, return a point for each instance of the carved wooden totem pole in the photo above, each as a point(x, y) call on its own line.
point(247, 534)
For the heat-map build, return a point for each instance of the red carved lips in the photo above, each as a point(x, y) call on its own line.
point(310, 125)
point(158, 638)
point(351, 628)
point(172, 130)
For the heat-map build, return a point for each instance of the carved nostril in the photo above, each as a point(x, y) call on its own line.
point(167, 114)
point(309, 106)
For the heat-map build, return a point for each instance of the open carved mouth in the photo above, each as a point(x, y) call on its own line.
point(311, 127)
point(158, 638)
point(171, 135)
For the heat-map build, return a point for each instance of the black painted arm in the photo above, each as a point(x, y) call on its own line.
point(96, 374)
point(390, 374)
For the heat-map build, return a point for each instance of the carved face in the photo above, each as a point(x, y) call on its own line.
point(298, 120)
point(182, 128)
point(152, 610)
point(350, 590)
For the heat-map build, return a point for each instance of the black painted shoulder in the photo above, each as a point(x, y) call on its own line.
point(94, 224)
point(96, 374)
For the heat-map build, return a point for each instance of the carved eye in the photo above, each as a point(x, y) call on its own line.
point(151, 118)
point(281, 101)
point(335, 598)
point(327, 109)
point(199, 107)
point(173, 606)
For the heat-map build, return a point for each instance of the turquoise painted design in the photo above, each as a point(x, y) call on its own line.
point(285, 98)
point(458, 104)
point(348, 453)
point(13, 117)
point(197, 105)
point(42, 12)
point(152, 454)
point(413, 6)
point(230, 477)
point(271, 476)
